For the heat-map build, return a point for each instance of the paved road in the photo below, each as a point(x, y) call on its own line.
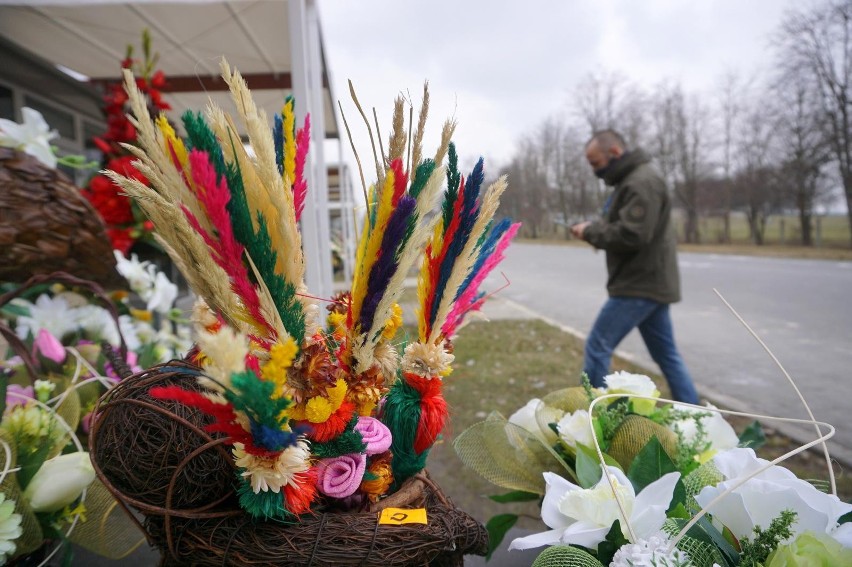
point(802, 309)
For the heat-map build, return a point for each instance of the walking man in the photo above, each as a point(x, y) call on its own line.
point(636, 232)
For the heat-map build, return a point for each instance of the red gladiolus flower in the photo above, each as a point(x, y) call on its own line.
point(121, 239)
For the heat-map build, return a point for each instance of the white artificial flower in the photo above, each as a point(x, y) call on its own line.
point(650, 552)
point(10, 528)
point(636, 384)
point(529, 419)
point(762, 498)
point(49, 313)
point(59, 482)
point(718, 432)
point(271, 473)
point(574, 428)
point(33, 136)
point(163, 294)
point(138, 274)
point(585, 516)
point(625, 382)
point(95, 321)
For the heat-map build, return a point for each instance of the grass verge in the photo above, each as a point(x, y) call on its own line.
point(502, 365)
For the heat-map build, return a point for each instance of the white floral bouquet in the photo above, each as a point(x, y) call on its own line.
point(53, 368)
point(630, 482)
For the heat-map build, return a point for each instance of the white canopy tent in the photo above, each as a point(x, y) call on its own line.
point(276, 45)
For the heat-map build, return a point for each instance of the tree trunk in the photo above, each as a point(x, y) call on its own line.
point(806, 222)
point(690, 228)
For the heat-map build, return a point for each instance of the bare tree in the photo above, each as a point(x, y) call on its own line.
point(816, 45)
point(679, 143)
point(609, 100)
point(804, 150)
point(729, 107)
point(756, 182)
point(529, 202)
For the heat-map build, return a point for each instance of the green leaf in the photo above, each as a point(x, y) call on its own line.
point(515, 496)
point(588, 467)
point(614, 540)
point(705, 532)
point(650, 465)
point(753, 436)
point(845, 518)
point(4, 383)
point(679, 511)
point(497, 528)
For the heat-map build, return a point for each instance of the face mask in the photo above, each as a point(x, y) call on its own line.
point(601, 172)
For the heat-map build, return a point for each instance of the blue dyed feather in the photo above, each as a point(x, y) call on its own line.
point(485, 251)
point(278, 137)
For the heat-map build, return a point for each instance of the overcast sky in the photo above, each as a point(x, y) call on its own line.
point(502, 67)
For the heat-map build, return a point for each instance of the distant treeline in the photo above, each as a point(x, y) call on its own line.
point(748, 152)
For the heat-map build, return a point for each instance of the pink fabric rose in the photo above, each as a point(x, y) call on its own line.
point(375, 434)
point(341, 476)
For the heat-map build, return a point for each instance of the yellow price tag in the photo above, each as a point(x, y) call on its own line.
point(399, 516)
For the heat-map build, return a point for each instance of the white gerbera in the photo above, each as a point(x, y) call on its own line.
point(10, 528)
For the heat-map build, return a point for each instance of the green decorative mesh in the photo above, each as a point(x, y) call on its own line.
point(565, 556)
point(568, 400)
point(634, 433)
point(508, 455)
point(700, 553)
point(69, 410)
point(705, 475)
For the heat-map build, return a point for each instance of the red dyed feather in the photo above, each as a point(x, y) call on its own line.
point(300, 185)
point(400, 181)
point(228, 253)
point(433, 410)
point(301, 492)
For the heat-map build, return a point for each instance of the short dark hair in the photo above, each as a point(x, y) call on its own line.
point(607, 138)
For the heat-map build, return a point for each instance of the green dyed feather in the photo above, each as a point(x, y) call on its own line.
point(401, 414)
point(255, 398)
point(453, 182)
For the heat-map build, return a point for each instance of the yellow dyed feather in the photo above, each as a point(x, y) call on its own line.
point(278, 206)
point(359, 290)
point(467, 258)
point(267, 304)
point(289, 144)
point(172, 139)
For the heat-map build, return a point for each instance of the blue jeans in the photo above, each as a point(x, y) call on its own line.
point(618, 317)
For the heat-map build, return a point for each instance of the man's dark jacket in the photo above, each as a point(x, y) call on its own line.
point(636, 232)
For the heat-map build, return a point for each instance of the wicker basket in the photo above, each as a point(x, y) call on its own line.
point(155, 456)
point(46, 225)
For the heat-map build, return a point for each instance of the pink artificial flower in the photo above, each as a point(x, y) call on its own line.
point(49, 346)
point(86, 422)
point(340, 477)
point(375, 434)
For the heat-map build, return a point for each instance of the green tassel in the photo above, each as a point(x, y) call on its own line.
point(401, 414)
point(262, 505)
point(350, 441)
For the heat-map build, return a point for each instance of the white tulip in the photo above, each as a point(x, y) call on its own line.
point(762, 498)
point(585, 516)
point(59, 482)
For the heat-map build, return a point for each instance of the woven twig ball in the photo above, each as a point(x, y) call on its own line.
point(154, 454)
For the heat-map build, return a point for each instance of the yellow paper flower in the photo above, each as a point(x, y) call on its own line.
point(337, 322)
point(318, 409)
point(281, 357)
